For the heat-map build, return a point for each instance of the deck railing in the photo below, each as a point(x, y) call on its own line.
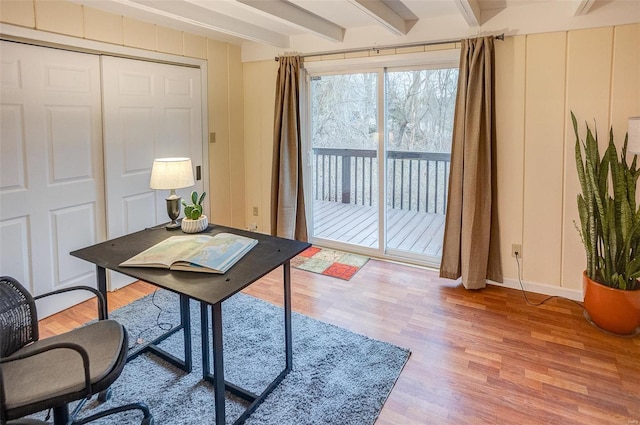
point(416, 181)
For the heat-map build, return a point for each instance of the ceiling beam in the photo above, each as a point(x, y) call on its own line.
point(385, 16)
point(583, 7)
point(470, 10)
point(206, 19)
point(294, 15)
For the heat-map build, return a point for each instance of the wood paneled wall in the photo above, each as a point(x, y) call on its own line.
point(259, 106)
point(540, 78)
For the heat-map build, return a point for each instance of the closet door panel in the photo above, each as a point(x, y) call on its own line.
point(12, 164)
point(151, 111)
point(137, 209)
point(69, 130)
point(14, 248)
point(72, 227)
point(51, 183)
point(137, 131)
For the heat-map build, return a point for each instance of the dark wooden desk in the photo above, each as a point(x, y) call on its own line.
point(210, 290)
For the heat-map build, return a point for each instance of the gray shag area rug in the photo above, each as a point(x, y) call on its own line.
point(338, 377)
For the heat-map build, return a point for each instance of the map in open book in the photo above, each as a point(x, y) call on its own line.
point(196, 253)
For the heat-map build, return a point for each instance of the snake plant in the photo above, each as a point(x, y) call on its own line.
point(609, 217)
point(194, 211)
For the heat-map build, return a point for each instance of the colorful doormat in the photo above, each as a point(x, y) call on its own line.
point(329, 262)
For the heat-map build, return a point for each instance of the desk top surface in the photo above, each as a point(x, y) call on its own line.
point(270, 253)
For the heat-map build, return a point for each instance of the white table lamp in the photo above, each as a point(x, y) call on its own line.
point(172, 174)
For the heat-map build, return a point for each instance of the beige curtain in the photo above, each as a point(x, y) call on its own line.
point(471, 240)
point(287, 197)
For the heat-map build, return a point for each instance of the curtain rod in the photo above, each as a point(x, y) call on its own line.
point(378, 48)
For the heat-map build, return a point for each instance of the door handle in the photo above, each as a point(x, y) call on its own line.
point(198, 173)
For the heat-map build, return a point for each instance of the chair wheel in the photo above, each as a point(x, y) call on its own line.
point(147, 421)
point(104, 395)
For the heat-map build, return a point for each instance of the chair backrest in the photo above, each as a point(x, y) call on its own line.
point(18, 317)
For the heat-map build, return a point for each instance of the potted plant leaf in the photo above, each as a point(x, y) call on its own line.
point(610, 232)
point(195, 221)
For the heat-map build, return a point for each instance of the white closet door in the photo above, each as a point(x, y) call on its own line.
point(151, 110)
point(51, 169)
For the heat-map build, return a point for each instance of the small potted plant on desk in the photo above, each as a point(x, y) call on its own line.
point(610, 232)
point(194, 220)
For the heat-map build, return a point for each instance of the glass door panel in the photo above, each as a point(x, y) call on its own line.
point(419, 124)
point(344, 142)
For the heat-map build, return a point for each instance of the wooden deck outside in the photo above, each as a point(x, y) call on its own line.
point(416, 232)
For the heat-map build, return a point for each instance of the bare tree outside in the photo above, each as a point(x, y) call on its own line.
point(420, 107)
point(419, 103)
point(344, 110)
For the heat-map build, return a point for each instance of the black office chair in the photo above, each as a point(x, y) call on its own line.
point(37, 375)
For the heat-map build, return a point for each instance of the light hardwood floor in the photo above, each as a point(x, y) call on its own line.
point(478, 357)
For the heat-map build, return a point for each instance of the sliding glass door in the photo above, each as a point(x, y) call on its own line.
point(385, 195)
point(344, 144)
point(419, 122)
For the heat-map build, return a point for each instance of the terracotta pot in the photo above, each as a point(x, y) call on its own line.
point(614, 310)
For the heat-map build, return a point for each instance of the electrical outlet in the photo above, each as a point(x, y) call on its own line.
point(253, 227)
point(516, 250)
point(255, 211)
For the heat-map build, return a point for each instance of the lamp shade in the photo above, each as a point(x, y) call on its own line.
point(171, 173)
point(634, 135)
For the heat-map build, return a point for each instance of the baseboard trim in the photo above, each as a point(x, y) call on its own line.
point(540, 288)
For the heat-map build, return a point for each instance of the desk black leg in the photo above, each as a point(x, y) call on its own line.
point(101, 276)
point(287, 316)
point(152, 346)
point(185, 323)
point(218, 363)
point(217, 378)
point(204, 332)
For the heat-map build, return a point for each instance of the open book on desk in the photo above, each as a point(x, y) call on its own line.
point(194, 253)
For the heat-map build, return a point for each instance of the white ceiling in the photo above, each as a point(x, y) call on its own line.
point(335, 24)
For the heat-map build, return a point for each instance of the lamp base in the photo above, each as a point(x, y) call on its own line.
point(173, 225)
point(173, 211)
